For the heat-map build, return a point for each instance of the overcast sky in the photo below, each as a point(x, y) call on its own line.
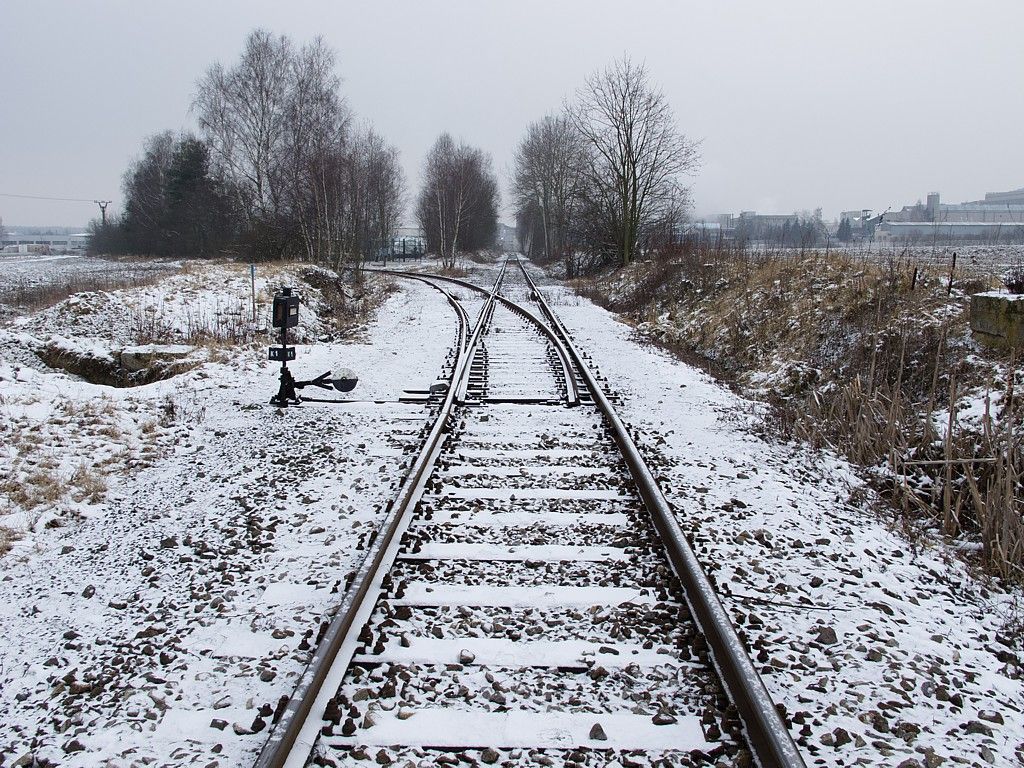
point(798, 104)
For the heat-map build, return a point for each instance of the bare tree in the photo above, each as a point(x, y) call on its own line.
point(354, 199)
point(636, 158)
point(269, 121)
point(458, 205)
point(385, 192)
point(547, 183)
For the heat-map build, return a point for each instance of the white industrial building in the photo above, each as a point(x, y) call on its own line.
point(13, 242)
point(997, 218)
point(997, 207)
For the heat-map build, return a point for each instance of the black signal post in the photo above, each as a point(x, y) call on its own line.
point(285, 316)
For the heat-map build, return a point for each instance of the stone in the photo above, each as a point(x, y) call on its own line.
point(466, 657)
point(975, 726)
point(997, 319)
point(489, 756)
point(597, 733)
point(146, 356)
point(826, 636)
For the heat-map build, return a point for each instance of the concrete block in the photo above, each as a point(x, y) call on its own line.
point(998, 319)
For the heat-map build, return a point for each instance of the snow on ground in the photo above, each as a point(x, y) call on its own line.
point(31, 278)
point(160, 619)
point(884, 651)
point(166, 622)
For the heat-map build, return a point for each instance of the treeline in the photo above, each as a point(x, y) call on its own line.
point(278, 168)
point(805, 230)
point(601, 182)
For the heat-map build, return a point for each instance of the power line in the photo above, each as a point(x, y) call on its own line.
point(44, 197)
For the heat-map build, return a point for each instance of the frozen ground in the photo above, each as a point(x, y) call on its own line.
point(155, 622)
point(159, 619)
point(28, 277)
point(983, 260)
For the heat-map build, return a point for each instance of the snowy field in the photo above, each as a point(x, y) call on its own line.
point(981, 260)
point(26, 276)
point(174, 547)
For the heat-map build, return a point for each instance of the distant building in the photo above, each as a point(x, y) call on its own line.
point(862, 223)
point(13, 242)
point(999, 217)
point(1014, 197)
point(997, 207)
point(706, 229)
point(944, 231)
point(758, 221)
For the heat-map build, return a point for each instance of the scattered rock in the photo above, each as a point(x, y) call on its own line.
point(976, 726)
point(597, 733)
point(826, 636)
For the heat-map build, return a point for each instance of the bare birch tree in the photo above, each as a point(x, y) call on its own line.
point(458, 205)
point(547, 182)
point(269, 120)
point(636, 158)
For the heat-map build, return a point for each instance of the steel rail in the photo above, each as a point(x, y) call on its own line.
point(478, 331)
point(769, 739)
point(286, 731)
point(572, 393)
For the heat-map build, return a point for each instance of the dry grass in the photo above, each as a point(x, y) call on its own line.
point(7, 538)
point(867, 355)
point(33, 487)
point(87, 485)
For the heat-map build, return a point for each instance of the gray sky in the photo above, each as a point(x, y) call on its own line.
point(799, 104)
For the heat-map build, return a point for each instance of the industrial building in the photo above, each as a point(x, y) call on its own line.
point(13, 242)
point(997, 218)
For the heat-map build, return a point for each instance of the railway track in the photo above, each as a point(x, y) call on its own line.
point(530, 599)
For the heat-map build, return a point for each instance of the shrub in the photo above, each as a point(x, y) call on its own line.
point(1014, 278)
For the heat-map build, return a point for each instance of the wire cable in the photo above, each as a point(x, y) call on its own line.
point(45, 197)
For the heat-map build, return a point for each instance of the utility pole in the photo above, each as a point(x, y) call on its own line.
point(103, 209)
